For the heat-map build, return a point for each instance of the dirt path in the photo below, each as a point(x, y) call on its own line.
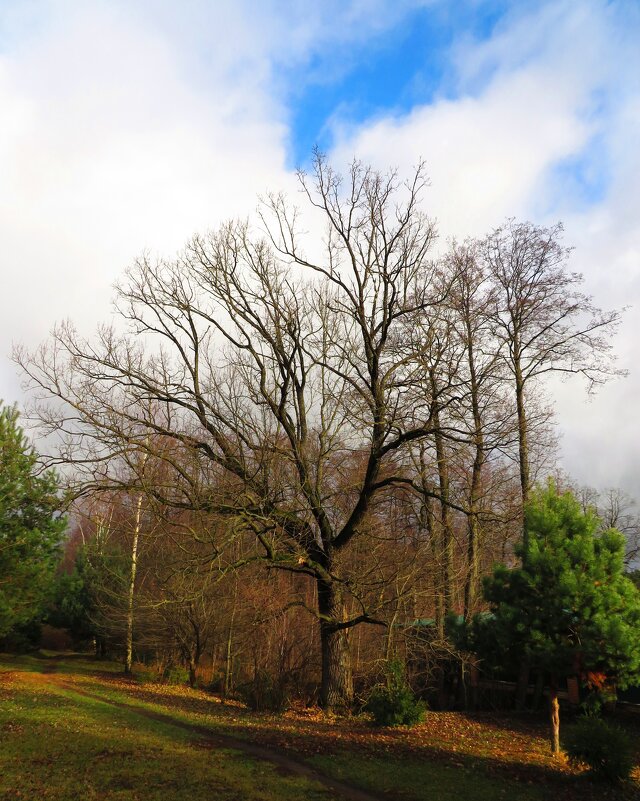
point(209, 739)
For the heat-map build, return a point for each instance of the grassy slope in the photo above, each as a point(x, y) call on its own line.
point(59, 744)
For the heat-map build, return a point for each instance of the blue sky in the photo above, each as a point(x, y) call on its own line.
point(406, 65)
point(412, 63)
point(128, 125)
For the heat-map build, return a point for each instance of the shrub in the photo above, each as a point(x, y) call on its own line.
point(23, 638)
point(394, 703)
point(595, 702)
point(264, 694)
point(605, 748)
point(174, 674)
point(217, 684)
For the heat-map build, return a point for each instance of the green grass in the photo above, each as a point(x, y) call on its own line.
point(56, 742)
point(66, 663)
point(411, 780)
point(59, 745)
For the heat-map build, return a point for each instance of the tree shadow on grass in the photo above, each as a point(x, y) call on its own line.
point(509, 749)
point(300, 739)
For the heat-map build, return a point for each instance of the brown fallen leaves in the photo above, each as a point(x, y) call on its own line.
point(501, 744)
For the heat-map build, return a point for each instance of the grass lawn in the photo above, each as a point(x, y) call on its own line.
point(56, 744)
point(74, 728)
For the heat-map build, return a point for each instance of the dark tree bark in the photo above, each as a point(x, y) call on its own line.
point(336, 691)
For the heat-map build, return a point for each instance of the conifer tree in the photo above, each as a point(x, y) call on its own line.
point(569, 609)
point(30, 527)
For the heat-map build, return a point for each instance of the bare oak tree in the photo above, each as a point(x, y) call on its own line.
point(270, 369)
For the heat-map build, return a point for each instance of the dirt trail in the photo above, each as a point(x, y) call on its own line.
point(209, 739)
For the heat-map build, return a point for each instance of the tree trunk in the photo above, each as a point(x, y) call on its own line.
point(428, 524)
point(195, 652)
point(523, 439)
point(445, 521)
point(389, 639)
point(436, 550)
point(336, 691)
point(471, 581)
point(554, 717)
point(523, 448)
point(132, 584)
point(473, 524)
point(100, 647)
point(228, 666)
point(214, 662)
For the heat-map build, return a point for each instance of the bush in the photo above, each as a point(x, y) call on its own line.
point(394, 703)
point(174, 674)
point(605, 748)
point(263, 694)
point(23, 638)
point(595, 703)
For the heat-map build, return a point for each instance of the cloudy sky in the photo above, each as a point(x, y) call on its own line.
point(128, 125)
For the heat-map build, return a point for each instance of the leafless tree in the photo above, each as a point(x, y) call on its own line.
point(616, 509)
point(541, 319)
point(300, 394)
point(269, 369)
point(488, 417)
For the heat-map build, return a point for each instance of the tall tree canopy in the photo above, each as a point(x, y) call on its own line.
point(30, 526)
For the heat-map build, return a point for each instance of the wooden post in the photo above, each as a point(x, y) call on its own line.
point(554, 715)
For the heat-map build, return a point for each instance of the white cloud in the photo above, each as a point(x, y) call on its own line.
point(129, 125)
point(484, 154)
point(542, 90)
point(108, 150)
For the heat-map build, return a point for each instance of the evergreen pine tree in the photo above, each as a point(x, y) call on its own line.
point(31, 527)
point(569, 609)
